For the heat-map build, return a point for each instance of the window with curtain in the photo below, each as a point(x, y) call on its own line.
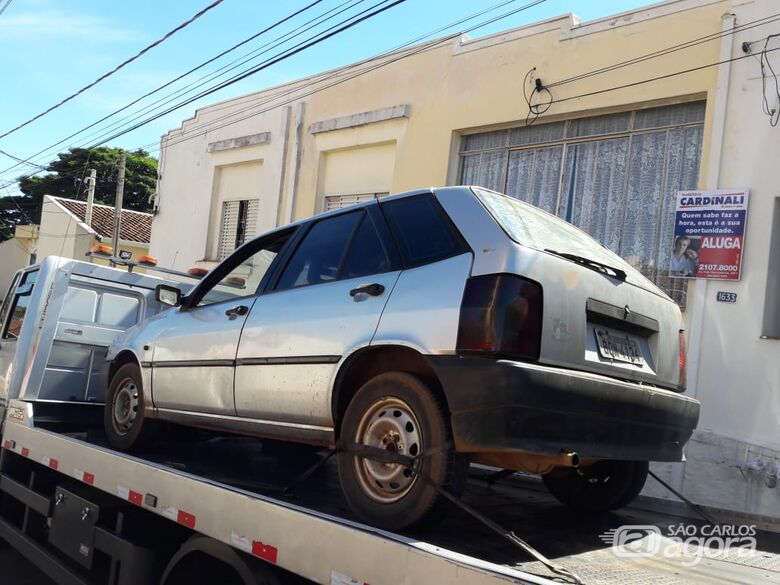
point(614, 176)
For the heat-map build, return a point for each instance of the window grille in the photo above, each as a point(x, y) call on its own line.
point(339, 201)
point(239, 224)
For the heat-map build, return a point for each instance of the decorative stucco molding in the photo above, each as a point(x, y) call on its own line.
point(240, 142)
point(361, 119)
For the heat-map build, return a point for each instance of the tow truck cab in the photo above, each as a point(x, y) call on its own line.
point(58, 318)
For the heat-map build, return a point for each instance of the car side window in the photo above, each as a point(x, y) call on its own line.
point(243, 271)
point(318, 257)
point(421, 230)
point(8, 301)
point(18, 307)
point(366, 255)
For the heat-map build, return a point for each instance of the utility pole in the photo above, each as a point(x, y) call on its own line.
point(120, 192)
point(91, 180)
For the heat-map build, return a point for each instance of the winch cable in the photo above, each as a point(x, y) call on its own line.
point(692, 505)
point(384, 456)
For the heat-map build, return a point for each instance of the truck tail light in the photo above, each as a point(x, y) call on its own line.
point(683, 382)
point(501, 315)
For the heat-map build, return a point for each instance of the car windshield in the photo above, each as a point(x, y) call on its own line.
point(530, 226)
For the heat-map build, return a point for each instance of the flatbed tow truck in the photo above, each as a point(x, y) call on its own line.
point(200, 507)
point(226, 510)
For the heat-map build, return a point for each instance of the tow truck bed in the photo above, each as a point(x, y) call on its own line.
point(232, 490)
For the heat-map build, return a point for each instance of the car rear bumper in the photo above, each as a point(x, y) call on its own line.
point(500, 405)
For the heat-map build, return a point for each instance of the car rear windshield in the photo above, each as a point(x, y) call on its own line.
point(530, 226)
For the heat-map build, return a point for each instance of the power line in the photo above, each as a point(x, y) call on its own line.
point(658, 78)
point(204, 80)
point(166, 36)
point(280, 57)
point(671, 49)
point(209, 127)
point(4, 6)
point(688, 44)
point(773, 113)
point(171, 82)
point(429, 47)
point(103, 134)
point(350, 22)
point(21, 160)
point(372, 67)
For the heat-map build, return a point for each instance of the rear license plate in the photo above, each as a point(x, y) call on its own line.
point(619, 347)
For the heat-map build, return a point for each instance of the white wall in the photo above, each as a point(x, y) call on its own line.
point(736, 373)
point(187, 223)
point(13, 256)
point(61, 234)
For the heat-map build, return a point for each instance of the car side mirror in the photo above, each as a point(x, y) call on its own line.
point(168, 295)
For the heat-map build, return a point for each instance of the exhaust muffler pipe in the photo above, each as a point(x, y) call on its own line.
point(529, 462)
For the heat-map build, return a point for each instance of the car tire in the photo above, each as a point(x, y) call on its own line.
point(600, 487)
point(398, 411)
point(123, 418)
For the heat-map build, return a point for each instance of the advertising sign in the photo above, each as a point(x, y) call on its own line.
point(709, 234)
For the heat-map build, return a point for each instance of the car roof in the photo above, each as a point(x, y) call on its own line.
point(440, 191)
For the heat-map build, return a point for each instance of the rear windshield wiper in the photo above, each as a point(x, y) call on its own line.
point(592, 264)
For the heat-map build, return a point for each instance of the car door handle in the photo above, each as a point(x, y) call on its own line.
point(373, 290)
point(238, 310)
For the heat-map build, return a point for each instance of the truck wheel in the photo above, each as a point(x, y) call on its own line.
point(397, 412)
point(605, 485)
point(123, 417)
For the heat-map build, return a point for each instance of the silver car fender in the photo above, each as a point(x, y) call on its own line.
point(139, 341)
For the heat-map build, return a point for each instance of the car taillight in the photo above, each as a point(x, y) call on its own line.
point(683, 383)
point(501, 314)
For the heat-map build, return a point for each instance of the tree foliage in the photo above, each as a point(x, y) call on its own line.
point(66, 177)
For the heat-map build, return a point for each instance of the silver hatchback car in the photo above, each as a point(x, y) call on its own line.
point(440, 327)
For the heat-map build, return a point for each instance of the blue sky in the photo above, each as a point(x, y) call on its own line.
point(50, 48)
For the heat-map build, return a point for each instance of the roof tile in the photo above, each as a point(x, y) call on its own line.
point(136, 226)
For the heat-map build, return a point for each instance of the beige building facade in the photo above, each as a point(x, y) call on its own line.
point(620, 129)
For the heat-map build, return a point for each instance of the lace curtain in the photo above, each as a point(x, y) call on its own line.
point(614, 176)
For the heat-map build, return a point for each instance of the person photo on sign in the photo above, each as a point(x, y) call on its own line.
point(685, 257)
point(692, 255)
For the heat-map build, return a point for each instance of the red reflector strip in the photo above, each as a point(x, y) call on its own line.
point(264, 551)
point(84, 476)
point(25, 452)
point(130, 495)
point(187, 520)
point(8, 445)
point(50, 462)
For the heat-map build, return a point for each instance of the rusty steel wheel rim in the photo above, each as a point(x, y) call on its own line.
point(390, 424)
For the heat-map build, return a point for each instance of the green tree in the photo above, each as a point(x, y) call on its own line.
point(15, 210)
point(66, 177)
